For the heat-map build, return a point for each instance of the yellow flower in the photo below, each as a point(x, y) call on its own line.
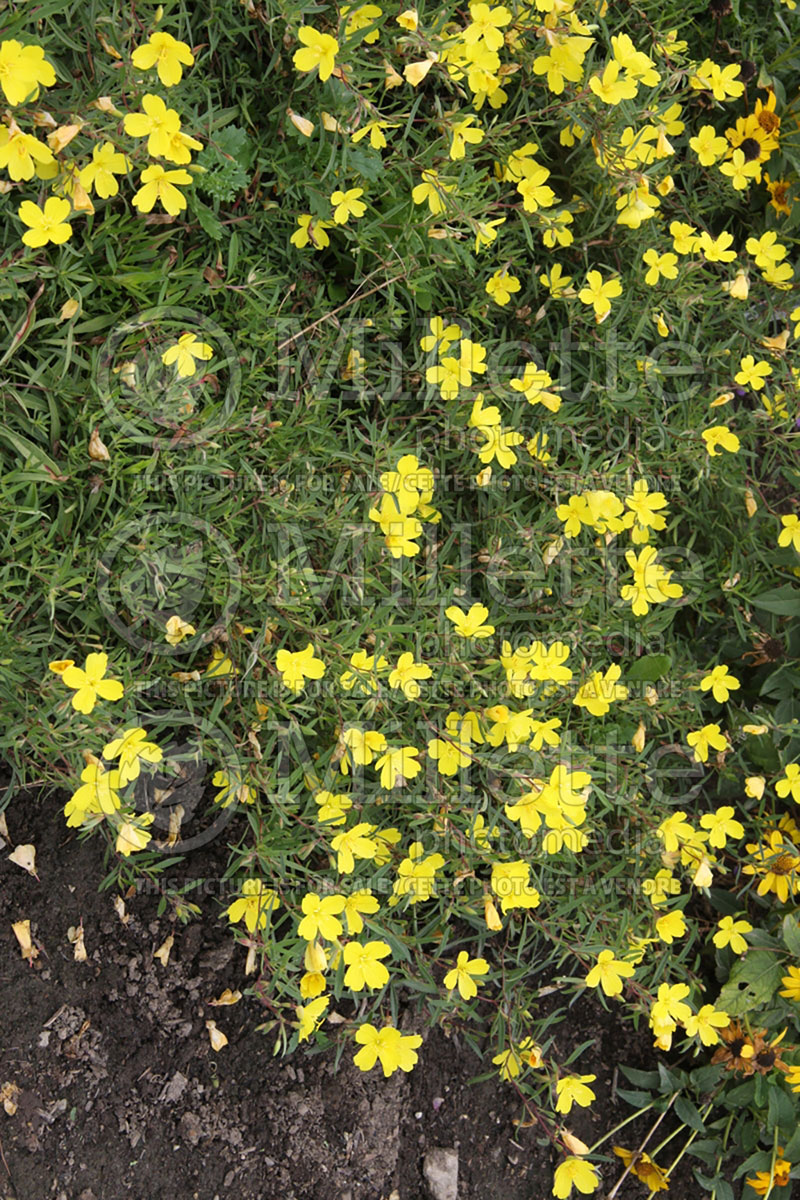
point(708, 146)
point(556, 282)
point(716, 249)
point(572, 1089)
point(670, 926)
point(684, 237)
point(701, 740)
point(415, 72)
point(721, 825)
point(601, 691)
point(23, 70)
point(234, 789)
point(364, 968)
point(362, 746)
point(644, 1168)
point(486, 25)
point(501, 285)
point(737, 288)
point(651, 582)
point(296, 667)
point(789, 785)
point(134, 834)
point(575, 1172)
point(608, 973)
point(534, 385)
point(255, 902)
point(722, 82)
point(791, 985)
point(131, 748)
point(320, 917)
point(166, 54)
point(176, 629)
point(375, 130)
point(359, 18)
point(357, 903)
point(388, 1046)
point(353, 843)
point(159, 124)
point(409, 19)
point(311, 232)
point(160, 185)
point(509, 1062)
point(510, 883)
point(610, 87)
point(48, 224)
point(100, 173)
point(751, 373)
point(780, 191)
point(416, 876)
point(778, 864)
point(661, 266)
point(461, 975)
point(764, 1182)
point(431, 189)
point(347, 204)
point(720, 682)
point(790, 534)
point(754, 784)
point(486, 232)
point(720, 436)
point(97, 794)
point(406, 674)
point(470, 624)
point(599, 294)
point(729, 933)
point(319, 50)
point(741, 172)
point(22, 154)
point(183, 353)
point(310, 1017)
point(88, 683)
point(464, 134)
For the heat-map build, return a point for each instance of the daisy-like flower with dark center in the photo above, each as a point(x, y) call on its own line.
point(766, 1055)
point(642, 1166)
point(735, 1041)
point(751, 149)
point(764, 1181)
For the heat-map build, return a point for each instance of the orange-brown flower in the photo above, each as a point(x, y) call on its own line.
point(643, 1167)
point(735, 1041)
point(765, 1181)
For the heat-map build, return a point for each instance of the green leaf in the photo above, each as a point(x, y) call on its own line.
point(791, 934)
point(781, 1111)
point(636, 1099)
point(642, 1079)
point(689, 1115)
point(785, 600)
point(208, 222)
point(752, 983)
point(650, 667)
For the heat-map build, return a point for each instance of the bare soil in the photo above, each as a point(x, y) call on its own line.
point(122, 1097)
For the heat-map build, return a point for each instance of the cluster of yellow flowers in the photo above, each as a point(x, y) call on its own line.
point(23, 71)
point(605, 513)
point(404, 504)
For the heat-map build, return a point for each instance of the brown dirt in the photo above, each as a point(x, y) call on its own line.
point(121, 1096)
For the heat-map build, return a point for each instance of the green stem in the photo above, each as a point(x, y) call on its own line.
point(772, 1166)
point(691, 1138)
point(621, 1125)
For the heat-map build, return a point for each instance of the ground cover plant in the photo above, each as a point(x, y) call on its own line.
point(400, 488)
